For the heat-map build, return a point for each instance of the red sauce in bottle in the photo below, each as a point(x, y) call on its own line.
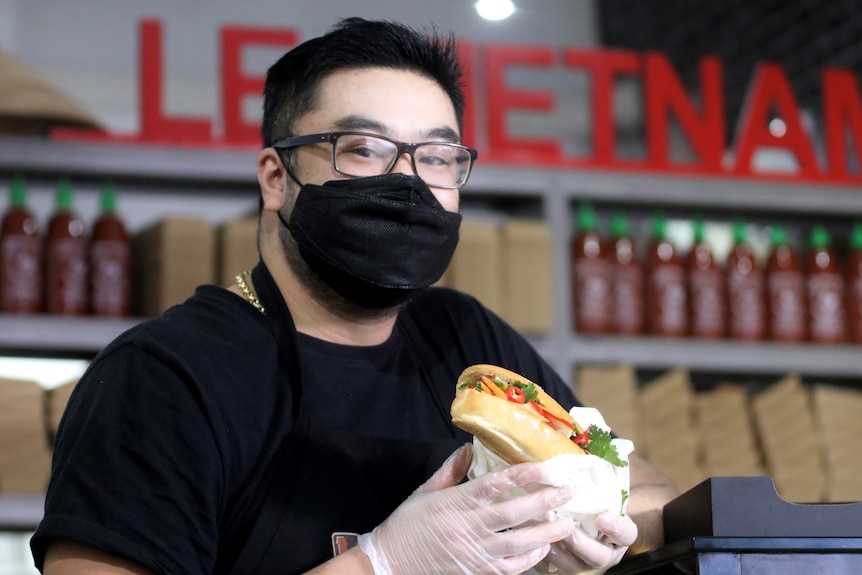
point(785, 291)
point(825, 290)
point(20, 256)
point(110, 261)
point(666, 290)
point(745, 289)
point(853, 285)
point(705, 288)
point(65, 266)
point(627, 309)
point(590, 277)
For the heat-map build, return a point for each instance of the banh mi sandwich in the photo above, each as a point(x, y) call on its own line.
point(519, 422)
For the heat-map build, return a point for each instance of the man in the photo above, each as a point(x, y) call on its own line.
point(270, 432)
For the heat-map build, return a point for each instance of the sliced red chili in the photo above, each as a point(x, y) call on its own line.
point(582, 439)
point(515, 394)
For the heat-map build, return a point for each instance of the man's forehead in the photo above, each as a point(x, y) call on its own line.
point(361, 123)
point(384, 101)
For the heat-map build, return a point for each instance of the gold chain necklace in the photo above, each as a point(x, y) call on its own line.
point(249, 295)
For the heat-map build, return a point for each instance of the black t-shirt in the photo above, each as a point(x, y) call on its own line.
point(169, 432)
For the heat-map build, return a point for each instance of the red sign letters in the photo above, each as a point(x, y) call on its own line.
point(700, 116)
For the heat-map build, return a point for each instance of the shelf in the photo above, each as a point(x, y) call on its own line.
point(720, 357)
point(21, 512)
point(47, 335)
point(166, 169)
point(127, 161)
point(226, 166)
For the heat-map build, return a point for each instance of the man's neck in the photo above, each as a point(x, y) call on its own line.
point(313, 318)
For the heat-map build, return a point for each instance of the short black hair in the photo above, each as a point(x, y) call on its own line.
point(292, 83)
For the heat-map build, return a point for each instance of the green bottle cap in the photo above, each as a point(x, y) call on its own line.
point(777, 236)
point(586, 218)
point(109, 198)
point(18, 193)
point(856, 236)
point(739, 233)
point(64, 195)
point(619, 225)
point(698, 230)
point(819, 238)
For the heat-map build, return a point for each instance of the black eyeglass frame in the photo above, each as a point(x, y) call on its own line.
point(401, 149)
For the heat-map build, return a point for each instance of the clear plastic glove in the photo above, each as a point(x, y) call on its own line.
point(472, 528)
point(581, 554)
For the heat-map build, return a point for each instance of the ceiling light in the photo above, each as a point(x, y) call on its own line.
point(495, 9)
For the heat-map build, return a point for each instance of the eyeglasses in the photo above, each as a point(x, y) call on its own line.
point(439, 164)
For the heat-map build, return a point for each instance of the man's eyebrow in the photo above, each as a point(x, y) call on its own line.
point(365, 124)
point(360, 123)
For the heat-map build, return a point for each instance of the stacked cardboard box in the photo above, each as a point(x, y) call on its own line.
point(727, 432)
point(527, 275)
point(838, 412)
point(25, 456)
point(790, 440)
point(476, 266)
point(613, 390)
point(236, 248)
point(669, 428)
point(57, 398)
point(172, 258)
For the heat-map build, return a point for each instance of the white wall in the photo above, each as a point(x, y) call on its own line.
point(89, 47)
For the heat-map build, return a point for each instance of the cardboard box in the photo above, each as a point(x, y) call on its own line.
point(476, 266)
point(613, 390)
point(669, 428)
point(789, 437)
point(528, 295)
point(236, 249)
point(57, 399)
point(838, 412)
point(172, 258)
point(727, 432)
point(25, 457)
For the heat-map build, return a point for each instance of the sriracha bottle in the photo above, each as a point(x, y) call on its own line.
point(705, 288)
point(110, 261)
point(590, 276)
point(825, 290)
point(666, 291)
point(745, 289)
point(853, 285)
point(627, 309)
point(785, 291)
point(65, 265)
point(20, 255)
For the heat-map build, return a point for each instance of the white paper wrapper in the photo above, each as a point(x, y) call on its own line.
point(600, 483)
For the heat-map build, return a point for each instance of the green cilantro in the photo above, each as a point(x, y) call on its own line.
point(529, 389)
point(600, 446)
point(477, 385)
point(623, 505)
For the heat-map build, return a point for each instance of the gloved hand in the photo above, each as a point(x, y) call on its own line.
point(470, 528)
point(581, 554)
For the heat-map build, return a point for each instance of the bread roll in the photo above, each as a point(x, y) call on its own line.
point(516, 432)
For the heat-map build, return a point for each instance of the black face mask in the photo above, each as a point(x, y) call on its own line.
point(377, 240)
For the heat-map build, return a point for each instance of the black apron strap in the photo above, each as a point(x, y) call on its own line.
point(429, 355)
point(284, 332)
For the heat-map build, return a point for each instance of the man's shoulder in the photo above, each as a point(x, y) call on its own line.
point(210, 326)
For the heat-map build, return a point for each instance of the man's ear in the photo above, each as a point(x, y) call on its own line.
point(270, 176)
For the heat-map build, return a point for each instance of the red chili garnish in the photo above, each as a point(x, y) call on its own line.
point(537, 408)
point(582, 439)
point(515, 394)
